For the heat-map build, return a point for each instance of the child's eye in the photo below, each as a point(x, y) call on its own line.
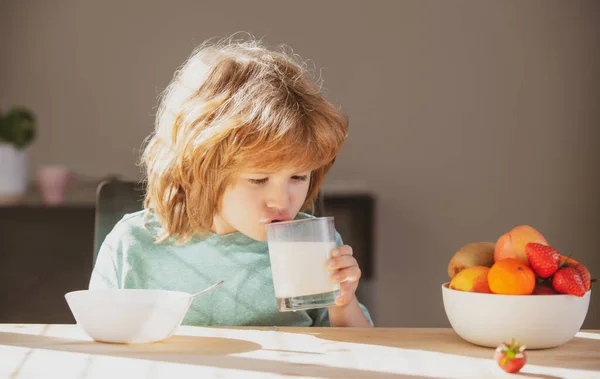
point(300, 178)
point(258, 181)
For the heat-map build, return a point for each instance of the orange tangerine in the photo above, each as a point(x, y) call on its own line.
point(568, 260)
point(510, 276)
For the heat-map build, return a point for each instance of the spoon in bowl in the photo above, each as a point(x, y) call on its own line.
point(207, 289)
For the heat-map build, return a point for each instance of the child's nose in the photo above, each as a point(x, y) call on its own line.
point(279, 199)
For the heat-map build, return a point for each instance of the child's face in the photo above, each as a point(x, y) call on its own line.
point(256, 198)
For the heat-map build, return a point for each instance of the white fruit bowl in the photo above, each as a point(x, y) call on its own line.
point(538, 321)
point(128, 315)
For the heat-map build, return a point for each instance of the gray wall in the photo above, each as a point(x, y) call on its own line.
point(467, 117)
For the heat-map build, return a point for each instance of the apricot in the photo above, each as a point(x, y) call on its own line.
point(472, 279)
point(512, 243)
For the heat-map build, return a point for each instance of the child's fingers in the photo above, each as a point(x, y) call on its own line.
point(350, 274)
point(348, 287)
point(343, 299)
point(341, 262)
point(341, 250)
point(347, 290)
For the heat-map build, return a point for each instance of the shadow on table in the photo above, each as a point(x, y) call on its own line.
point(175, 345)
point(194, 350)
point(447, 341)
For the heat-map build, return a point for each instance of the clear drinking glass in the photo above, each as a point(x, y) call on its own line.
point(299, 251)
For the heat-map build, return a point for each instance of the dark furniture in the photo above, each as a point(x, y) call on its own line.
point(46, 252)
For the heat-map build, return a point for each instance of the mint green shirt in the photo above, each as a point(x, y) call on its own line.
point(129, 258)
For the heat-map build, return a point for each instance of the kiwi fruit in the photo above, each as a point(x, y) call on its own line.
point(472, 254)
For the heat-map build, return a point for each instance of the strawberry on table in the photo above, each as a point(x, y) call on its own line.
point(510, 356)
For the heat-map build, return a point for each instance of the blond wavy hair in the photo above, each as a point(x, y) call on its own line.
point(234, 105)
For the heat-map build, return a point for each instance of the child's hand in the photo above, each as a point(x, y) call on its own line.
point(344, 270)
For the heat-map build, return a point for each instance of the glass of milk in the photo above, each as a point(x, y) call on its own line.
point(299, 251)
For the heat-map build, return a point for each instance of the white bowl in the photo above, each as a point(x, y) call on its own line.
point(538, 321)
point(128, 315)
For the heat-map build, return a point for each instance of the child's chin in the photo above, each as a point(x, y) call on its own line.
point(261, 236)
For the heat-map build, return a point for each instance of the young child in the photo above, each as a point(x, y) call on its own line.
point(242, 138)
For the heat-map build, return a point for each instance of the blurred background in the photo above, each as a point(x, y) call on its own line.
point(467, 118)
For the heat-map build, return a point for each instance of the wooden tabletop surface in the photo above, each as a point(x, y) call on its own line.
point(64, 351)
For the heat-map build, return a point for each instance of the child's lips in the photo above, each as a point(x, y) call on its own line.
point(270, 220)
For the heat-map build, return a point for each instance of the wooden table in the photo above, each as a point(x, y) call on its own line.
point(64, 351)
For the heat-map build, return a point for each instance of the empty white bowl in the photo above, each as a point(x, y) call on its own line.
point(538, 321)
point(128, 315)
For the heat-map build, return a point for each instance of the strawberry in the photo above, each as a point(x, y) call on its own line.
point(584, 273)
point(567, 280)
point(543, 289)
point(510, 356)
point(543, 259)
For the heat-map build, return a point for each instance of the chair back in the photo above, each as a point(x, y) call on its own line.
point(114, 199)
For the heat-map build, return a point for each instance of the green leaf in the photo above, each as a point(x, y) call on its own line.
point(18, 127)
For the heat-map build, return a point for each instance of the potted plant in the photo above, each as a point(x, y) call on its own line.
point(17, 131)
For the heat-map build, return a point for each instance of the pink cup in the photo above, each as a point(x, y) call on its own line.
point(53, 182)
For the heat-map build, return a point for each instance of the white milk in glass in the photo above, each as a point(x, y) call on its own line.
point(299, 251)
point(299, 268)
